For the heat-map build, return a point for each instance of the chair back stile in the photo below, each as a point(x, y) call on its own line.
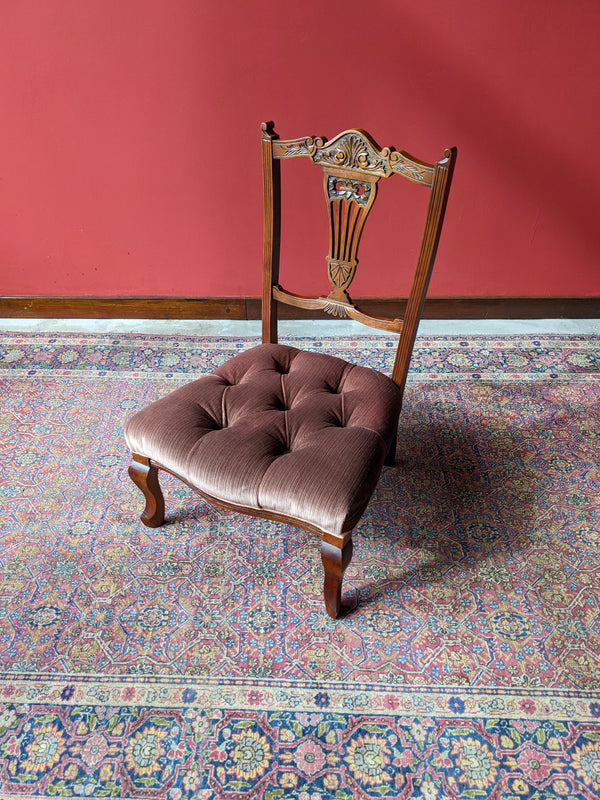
point(440, 189)
point(271, 172)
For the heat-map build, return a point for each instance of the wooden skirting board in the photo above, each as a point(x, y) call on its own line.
point(249, 308)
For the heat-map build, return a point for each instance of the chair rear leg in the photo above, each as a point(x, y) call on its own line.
point(335, 560)
point(145, 476)
point(390, 458)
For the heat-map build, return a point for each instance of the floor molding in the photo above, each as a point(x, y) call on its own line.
point(34, 307)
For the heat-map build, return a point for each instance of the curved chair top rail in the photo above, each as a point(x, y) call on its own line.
point(354, 150)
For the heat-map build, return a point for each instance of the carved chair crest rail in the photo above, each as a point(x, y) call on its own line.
point(290, 435)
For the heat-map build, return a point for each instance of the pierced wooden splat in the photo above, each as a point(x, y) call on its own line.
point(349, 201)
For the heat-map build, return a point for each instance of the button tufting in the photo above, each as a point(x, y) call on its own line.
point(277, 411)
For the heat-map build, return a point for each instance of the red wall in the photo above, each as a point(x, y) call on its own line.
point(129, 157)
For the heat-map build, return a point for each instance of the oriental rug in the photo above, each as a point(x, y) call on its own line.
point(196, 660)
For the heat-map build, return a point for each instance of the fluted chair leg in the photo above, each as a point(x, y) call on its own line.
point(335, 560)
point(145, 476)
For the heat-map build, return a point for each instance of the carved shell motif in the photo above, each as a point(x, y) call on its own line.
point(335, 309)
point(341, 273)
point(351, 152)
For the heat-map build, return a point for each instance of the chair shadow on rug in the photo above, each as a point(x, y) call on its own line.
point(446, 504)
point(294, 436)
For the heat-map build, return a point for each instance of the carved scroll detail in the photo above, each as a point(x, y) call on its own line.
point(349, 190)
point(298, 147)
point(351, 151)
point(349, 201)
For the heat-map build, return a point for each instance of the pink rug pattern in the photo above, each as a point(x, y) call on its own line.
point(195, 660)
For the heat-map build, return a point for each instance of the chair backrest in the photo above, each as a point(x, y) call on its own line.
point(352, 165)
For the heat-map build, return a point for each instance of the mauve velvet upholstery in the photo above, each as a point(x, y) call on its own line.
point(277, 430)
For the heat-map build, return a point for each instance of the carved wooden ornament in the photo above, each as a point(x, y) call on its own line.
point(352, 164)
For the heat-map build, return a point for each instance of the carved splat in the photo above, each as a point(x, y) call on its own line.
point(352, 163)
point(349, 201)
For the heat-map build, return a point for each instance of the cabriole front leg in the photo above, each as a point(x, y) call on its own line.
point(145, 476)
point(335, 560)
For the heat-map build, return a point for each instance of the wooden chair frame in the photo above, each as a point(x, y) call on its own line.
point(352, 165)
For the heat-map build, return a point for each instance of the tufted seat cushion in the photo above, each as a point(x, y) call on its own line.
point(279, 431)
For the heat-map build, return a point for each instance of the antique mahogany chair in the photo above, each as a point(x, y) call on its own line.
point(295, 436)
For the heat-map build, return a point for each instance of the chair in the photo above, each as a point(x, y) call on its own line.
point(295, 436)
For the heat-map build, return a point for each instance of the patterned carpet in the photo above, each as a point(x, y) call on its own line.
point(196, 660)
